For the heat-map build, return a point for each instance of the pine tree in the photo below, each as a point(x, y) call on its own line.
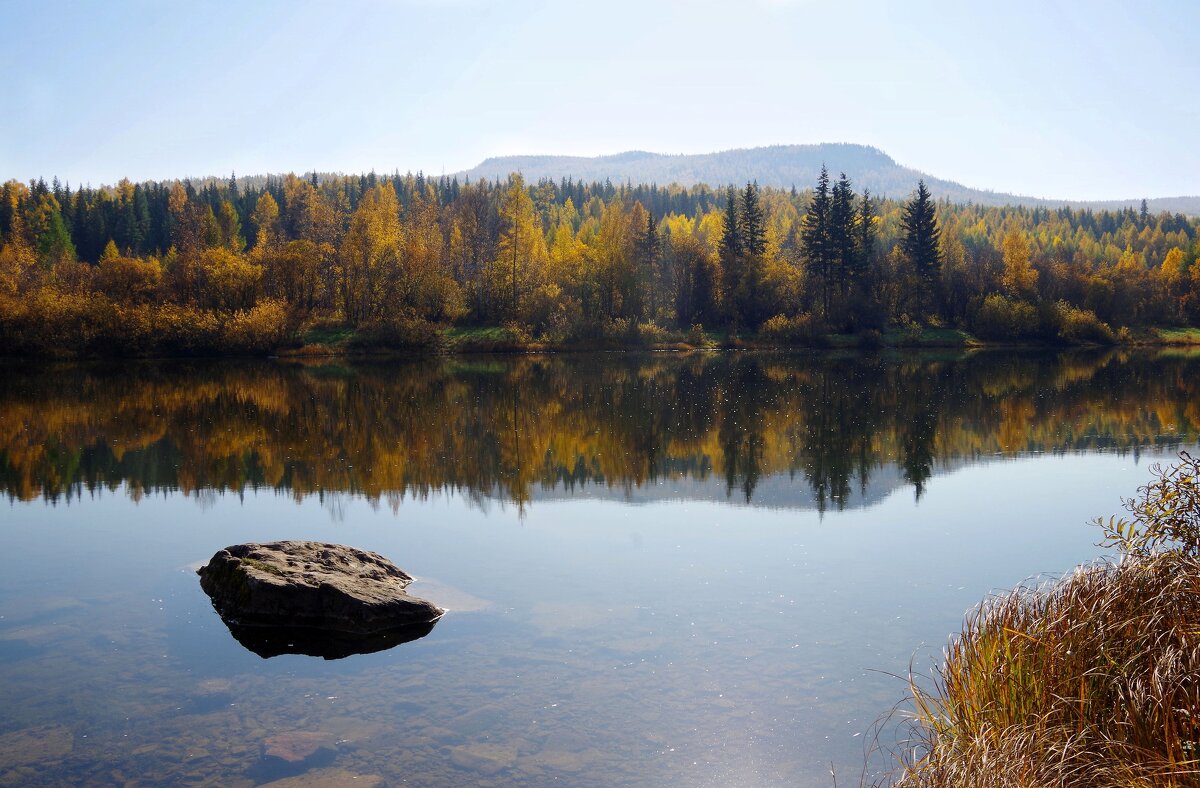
point(866, 236)
point(731, 254)
point(920, 240)
point(841, 234)
point(649, 252)
point(748, 293)
point(751, 225)
point(815, 238)
point(141, 220)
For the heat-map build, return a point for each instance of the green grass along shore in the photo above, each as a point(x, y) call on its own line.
point(339, 340)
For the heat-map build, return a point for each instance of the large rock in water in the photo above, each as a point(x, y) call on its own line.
point(314, 598)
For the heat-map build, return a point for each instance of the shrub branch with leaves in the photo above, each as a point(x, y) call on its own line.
point(1166, 516)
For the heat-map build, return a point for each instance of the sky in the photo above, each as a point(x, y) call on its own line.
point(1081, 100)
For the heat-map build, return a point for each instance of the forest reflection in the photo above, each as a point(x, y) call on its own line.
point(514, 428)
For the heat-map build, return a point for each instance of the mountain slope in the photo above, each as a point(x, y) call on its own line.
point(782, 166)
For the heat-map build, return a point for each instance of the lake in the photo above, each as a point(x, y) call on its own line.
point(700, 569)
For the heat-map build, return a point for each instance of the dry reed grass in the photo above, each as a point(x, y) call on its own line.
point(1093, 680)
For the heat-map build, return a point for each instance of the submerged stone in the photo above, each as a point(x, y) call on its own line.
point(291, 753)
point(300, 597)
point(297, 747)
point(484, 758)
point(329, 778)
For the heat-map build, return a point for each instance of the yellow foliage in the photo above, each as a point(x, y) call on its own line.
point(128, 279)
point(1172, 266)
point(1020, 277)
point(229, 280)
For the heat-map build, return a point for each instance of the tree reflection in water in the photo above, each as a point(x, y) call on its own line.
point(501, 427)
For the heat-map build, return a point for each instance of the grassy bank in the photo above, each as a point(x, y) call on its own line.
point(1092, 680)
point(498, 339)
point(53, 325)
point(1175, 336)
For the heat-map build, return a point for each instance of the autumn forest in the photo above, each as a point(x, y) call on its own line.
point(257, 264)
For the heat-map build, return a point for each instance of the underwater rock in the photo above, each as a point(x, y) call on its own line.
point(329, 778)
point(297, 747)
point(483, 758)
point(291, 753)
point(314, 598)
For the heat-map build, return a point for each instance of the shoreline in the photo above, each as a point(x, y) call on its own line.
point(483, 341)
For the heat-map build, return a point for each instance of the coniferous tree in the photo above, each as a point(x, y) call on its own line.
point(95, 231)
point(650, 257)
point(815, 239)
point(230, 227)
point(141, 220)
point(867, 235)
point(841, 234)
point(750, 222)
point(748, 294)
point(731, 254)
point(920, 241)
point(53, 241)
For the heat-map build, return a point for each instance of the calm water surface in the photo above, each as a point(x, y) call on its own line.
point(660, 569)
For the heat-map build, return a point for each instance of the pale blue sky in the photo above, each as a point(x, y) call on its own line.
point(1086, 100)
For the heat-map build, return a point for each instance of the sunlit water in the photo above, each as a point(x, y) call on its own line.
point(660, 570)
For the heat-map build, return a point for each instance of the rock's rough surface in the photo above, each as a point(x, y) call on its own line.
point(314, 593)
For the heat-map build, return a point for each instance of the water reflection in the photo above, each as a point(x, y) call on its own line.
point(822, 431)
point(323, 643)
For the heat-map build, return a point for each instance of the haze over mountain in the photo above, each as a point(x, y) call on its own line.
point(782, 166)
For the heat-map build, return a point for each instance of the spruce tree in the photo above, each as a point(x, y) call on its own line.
point(815, 238)
point(920, 240)
point(841, 233)
point(751, 225)
point(866, 236)
point(649, 252)
point(141, 220)
point(748, 295)
point(731, 254)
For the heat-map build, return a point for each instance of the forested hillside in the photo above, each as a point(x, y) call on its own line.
point(782, 166)
point(168, 267)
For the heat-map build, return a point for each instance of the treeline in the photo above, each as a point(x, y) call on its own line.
point(231, 266)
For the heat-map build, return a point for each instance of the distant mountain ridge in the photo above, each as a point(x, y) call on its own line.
point(781, 166)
